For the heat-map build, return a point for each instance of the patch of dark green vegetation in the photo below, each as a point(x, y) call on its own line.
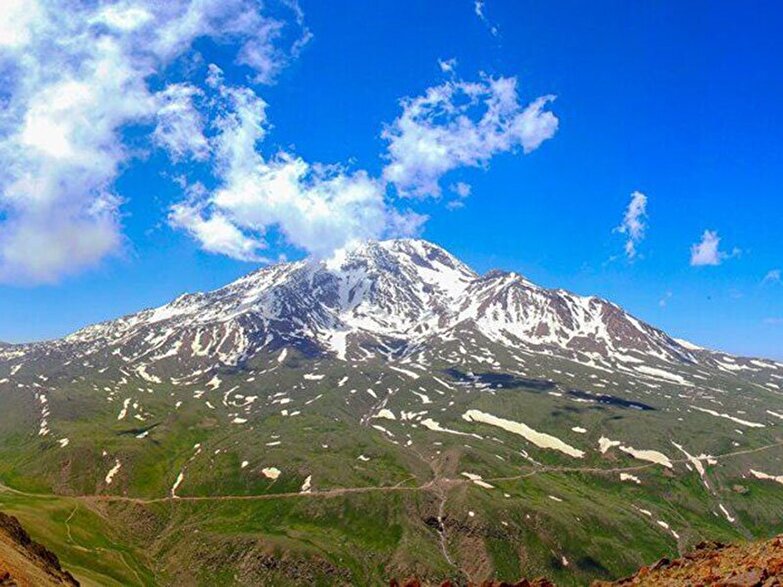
point(611, 400)
point(501, 380)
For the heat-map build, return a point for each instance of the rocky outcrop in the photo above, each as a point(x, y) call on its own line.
point(25, 563)
point(758, 564)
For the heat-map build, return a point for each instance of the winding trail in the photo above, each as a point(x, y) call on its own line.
point(68, 529)
point(432, 485)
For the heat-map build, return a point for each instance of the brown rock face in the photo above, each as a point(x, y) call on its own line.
point(758, 564)
point(25, 563)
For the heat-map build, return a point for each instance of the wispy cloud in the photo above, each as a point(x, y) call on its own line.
point(479, 7)
point(664, 301)
point(215, 232)
point(707, 251)
point(447, 65)
point(179, 126)
point(772, 276)
point(462, 190)
point(773, 321)
point(461, 124)
point(633, 224)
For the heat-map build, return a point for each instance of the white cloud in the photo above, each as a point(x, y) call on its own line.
point(317, 208)
point(461, 124)
point(123, 16)
point(216, 234)
point(707, 251)
point(76, 75)
point(664, 301)
point(242, 123)
point(180, 126)
point(17, 22)
point(261, 54)
point(772, 276)
point(447, 65)
point(462, 189)
point(45, 244)
point(479, 7)
point(633, 224)
point(60, 154)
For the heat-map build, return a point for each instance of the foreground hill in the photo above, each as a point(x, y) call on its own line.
point(386, 413)
point(25, 563)
point(757, 564)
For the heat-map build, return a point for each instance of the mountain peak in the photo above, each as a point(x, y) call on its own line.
point(420, 251)
point(399, 292)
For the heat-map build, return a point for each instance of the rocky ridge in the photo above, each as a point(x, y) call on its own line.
point(24, 562)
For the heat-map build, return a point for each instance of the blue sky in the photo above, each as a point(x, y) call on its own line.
point(678, 101)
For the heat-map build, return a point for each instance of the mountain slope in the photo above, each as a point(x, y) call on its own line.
point(25, 563)
point(405, 290)
point(391, 412)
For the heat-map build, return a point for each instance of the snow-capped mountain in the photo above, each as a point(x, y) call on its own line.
point(397, 293)
point(394, 367)
point(506, 307)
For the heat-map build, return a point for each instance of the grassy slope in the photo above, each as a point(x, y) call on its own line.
point(91, 547)
point(597, 529)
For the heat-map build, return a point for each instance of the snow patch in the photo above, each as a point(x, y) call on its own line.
point(271, 472)
point(729, 417)
point(112, 472)
point(477, 480)
point(540, 439)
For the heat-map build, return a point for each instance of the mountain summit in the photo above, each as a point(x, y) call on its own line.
point(396, 293)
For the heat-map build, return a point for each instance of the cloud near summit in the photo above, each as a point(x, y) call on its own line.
point(83, 77)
